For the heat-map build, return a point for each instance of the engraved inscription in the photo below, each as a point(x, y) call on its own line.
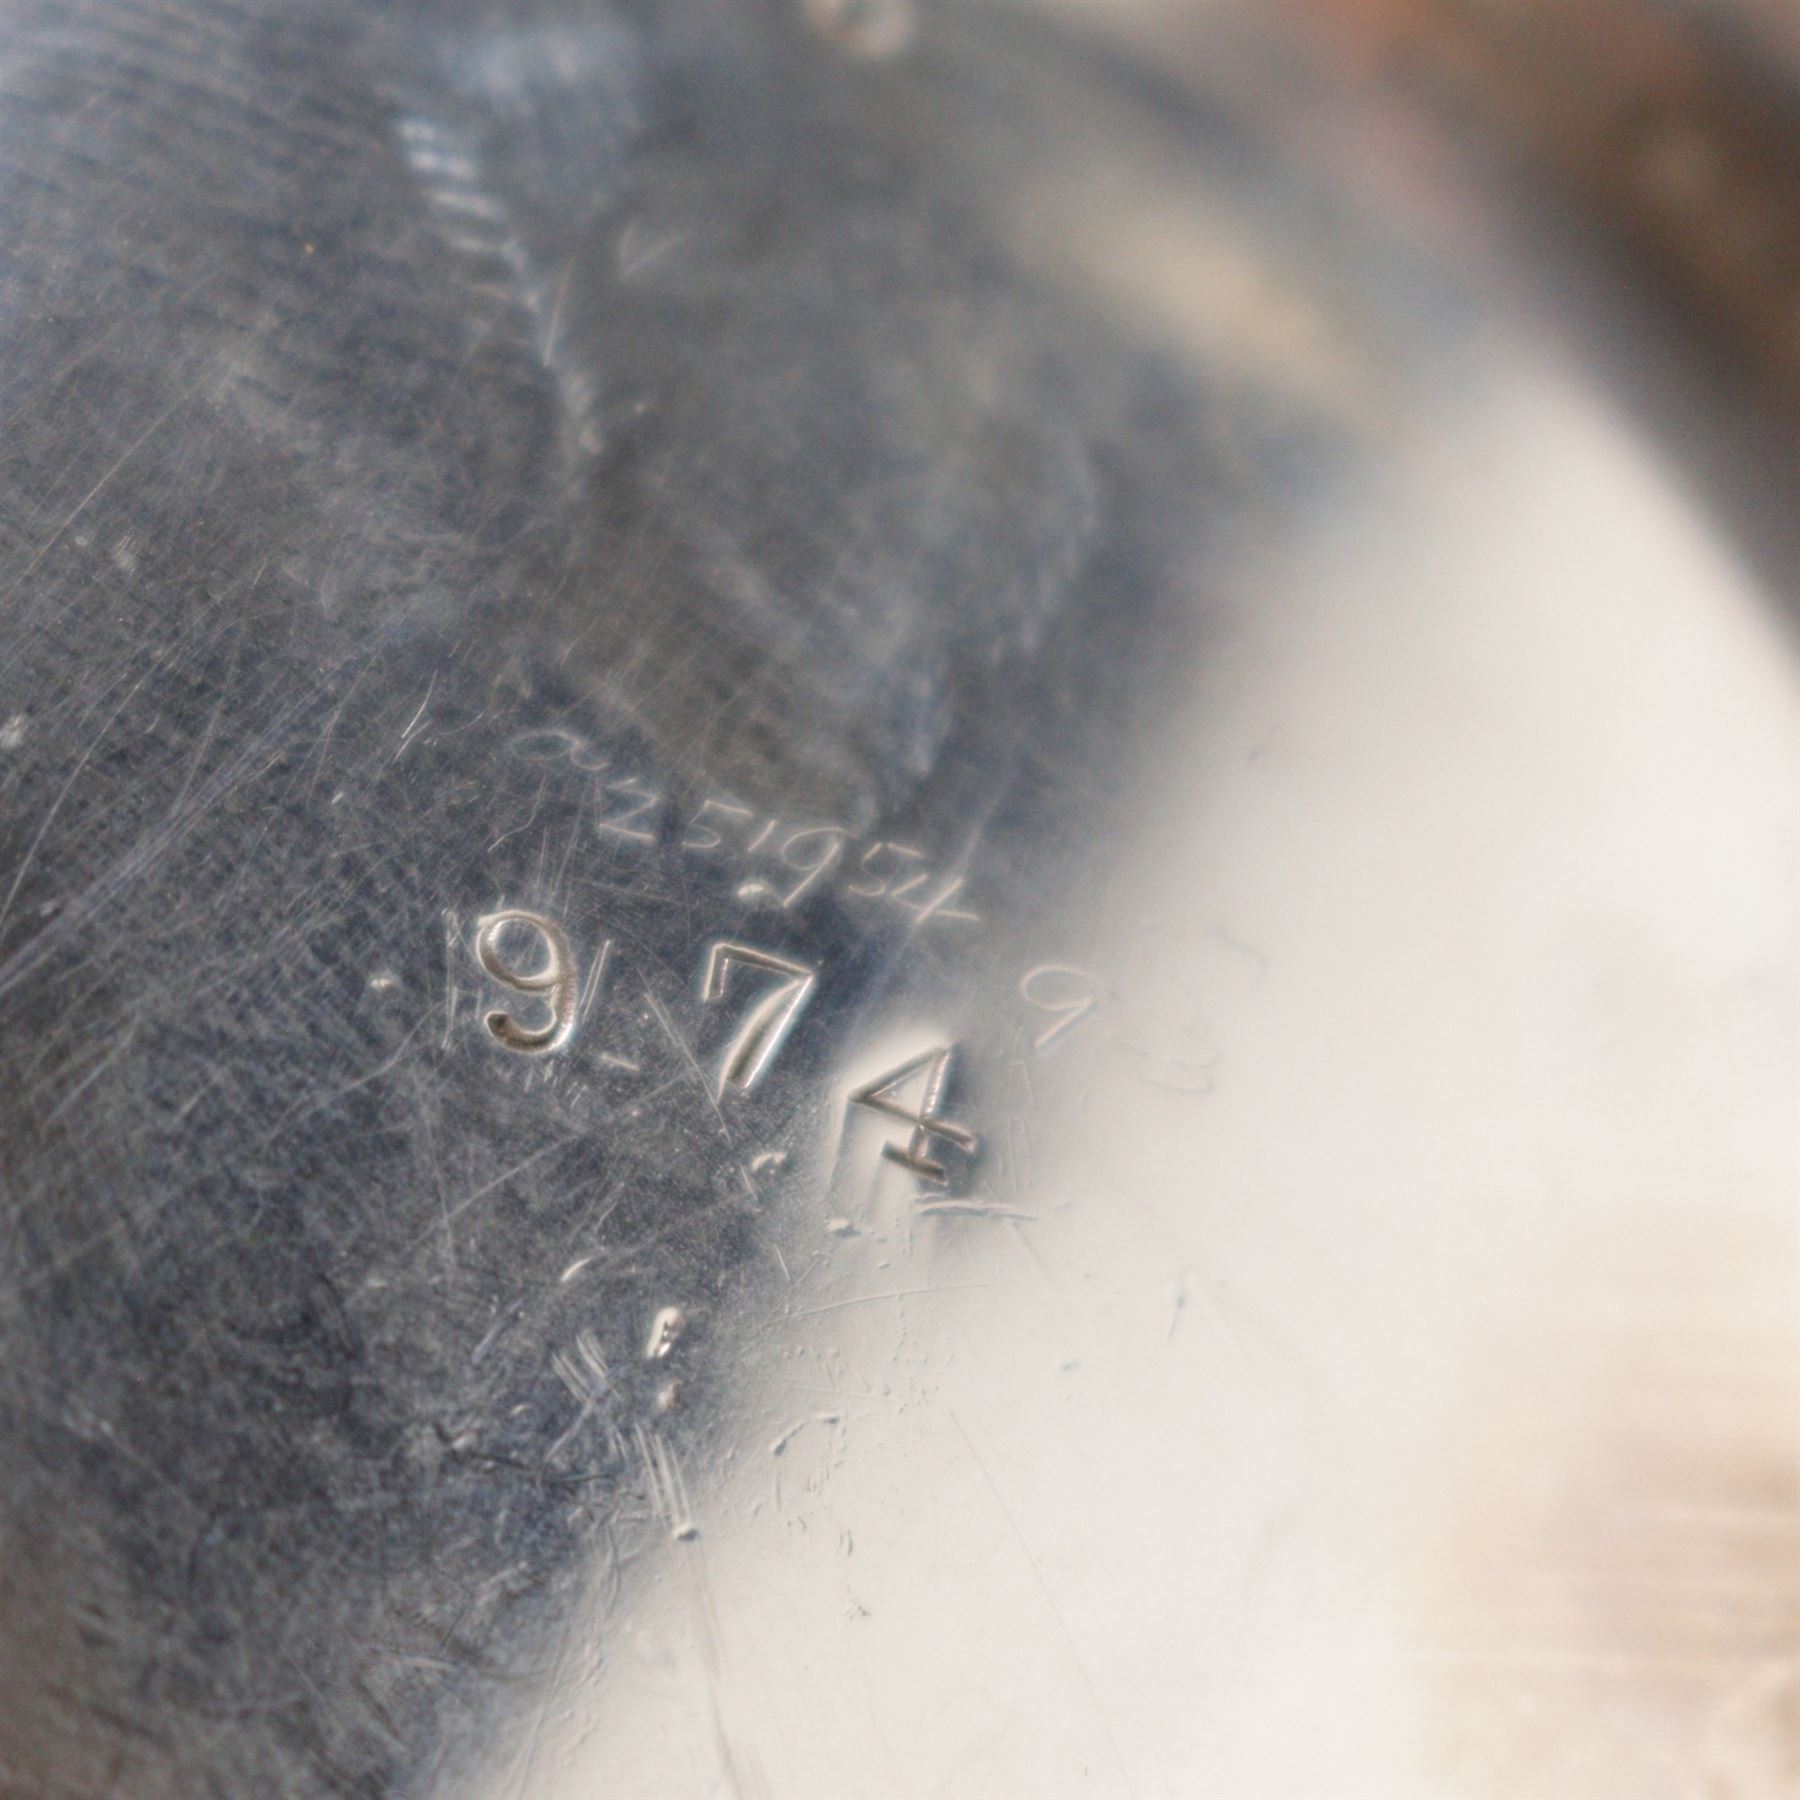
point(1067, 994)
point(633, 820)
point(554, 744)
point(789, 860)
point(826, 848)
point(703, 836)
point(875, 887)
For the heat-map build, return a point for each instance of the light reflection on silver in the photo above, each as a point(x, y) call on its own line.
point(1324, 1394)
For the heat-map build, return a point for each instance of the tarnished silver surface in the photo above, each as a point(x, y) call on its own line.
point(881, 913)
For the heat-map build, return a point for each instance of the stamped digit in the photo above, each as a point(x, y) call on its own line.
point(932, 1069)
point(770, 1020)
point(553, 983)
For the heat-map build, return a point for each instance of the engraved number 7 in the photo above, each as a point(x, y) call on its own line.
point(769, 1021)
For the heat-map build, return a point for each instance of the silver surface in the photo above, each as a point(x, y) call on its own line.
point(883, 914)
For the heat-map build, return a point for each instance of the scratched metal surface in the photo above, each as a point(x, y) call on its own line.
point(1039, 664)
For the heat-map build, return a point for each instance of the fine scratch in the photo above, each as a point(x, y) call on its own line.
point(412, 724)
point(453, 1213)
point(949, 1287)
point(452, 931)
point(306, 1109)
point(1049, 1600)
point(119, 1046)
point(151, 848)
point(93, 493)
point(712, 1100)
point(972, 1209)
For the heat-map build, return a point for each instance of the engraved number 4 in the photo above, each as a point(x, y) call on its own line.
point(932, 1069)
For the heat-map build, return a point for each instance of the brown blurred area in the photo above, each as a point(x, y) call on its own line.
point(1667, 131)
point(1680, 125)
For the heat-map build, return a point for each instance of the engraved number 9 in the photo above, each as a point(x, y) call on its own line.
point(553, 982)
point(1066, 993)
